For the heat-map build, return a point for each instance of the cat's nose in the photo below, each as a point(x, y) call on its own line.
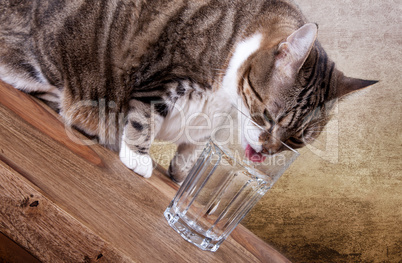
point(270, 144)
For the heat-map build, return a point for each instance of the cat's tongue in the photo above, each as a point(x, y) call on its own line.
point(253, 155)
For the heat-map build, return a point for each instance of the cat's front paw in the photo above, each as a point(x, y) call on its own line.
point(177, 174)
point(183, 161)
point(139, 163)
point(179, 168)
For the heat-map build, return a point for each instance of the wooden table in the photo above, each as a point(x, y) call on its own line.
point(62, 201)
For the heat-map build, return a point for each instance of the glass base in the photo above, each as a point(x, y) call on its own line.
point(189, 234)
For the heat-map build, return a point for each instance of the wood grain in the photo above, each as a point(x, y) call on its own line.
point(11, 252)
point(44, 229)
point(115, 205)
point(33, 113)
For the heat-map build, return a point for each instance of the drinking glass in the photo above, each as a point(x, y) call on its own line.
point(221, 188)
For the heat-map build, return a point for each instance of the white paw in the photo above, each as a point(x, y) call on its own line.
point(139, 163)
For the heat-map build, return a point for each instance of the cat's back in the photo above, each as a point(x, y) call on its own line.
point(196, 37)
point(99, 38)
point(15, 20)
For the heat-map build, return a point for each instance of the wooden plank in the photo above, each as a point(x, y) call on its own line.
point(45, 230)
point(33, 113)
point(104, 191)
point(11, 252)
point(264, 252)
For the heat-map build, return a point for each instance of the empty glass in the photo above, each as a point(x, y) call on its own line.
point(222, 187)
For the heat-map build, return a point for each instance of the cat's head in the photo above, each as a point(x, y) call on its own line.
point(289, 90)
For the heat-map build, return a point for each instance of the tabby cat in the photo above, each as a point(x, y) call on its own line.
point(142, 65)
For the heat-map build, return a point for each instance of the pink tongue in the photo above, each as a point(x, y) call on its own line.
point(253, 155)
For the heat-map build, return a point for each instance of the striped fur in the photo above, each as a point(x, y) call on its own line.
point(120, 68)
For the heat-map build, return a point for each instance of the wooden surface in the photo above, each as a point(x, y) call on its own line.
point(67, 202)
point(12, 252)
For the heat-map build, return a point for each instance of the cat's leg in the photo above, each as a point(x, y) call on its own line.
point(50, 97)
point(32, 82)
point(139, 132)
point(184, 159)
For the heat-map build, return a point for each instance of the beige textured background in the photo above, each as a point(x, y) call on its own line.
point(342, 199)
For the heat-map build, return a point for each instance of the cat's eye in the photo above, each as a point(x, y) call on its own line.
point(268, 117)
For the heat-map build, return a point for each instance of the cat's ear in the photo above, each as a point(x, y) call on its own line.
point(294, 51)
point(347, 85)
